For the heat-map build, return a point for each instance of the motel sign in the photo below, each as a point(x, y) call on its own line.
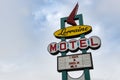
point(69, 43)
point(72, 45)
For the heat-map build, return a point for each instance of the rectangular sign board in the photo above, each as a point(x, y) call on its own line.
point(74, 62)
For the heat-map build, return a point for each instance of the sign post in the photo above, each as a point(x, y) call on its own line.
point(64, 73)
point(74, 62)
point(86, 71)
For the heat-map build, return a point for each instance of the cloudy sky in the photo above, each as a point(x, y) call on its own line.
point(27, 27)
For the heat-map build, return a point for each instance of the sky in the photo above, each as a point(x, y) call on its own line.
point(27, 27)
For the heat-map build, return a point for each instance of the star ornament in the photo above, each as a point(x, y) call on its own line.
point(70, 19)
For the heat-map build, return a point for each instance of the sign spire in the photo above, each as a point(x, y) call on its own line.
point(70, 19)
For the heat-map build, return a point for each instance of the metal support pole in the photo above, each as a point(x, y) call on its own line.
point(64, 73)
point(86, 71)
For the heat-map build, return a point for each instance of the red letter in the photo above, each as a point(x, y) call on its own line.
point(73, 45)
point(52, 48)
point(93, 44)
point(83, 43)
point(72, 42)
point(62, 46)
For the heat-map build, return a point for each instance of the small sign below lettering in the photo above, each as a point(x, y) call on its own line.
point(74, 62)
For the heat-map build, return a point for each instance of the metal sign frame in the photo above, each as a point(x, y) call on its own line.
point(86, 71)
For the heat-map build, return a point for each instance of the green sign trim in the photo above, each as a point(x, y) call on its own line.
point(86, 71)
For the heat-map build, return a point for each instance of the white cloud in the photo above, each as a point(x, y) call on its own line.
point(13, 31)
point(23, 47)
point(97, 19)
point(7, 68)
point(110, 7)
point(100, 20)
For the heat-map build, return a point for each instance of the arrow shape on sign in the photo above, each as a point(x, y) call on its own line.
point(70, 19)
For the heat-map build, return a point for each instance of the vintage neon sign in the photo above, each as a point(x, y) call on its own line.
point(73, 45)
point(82, 61)
point(73, 31)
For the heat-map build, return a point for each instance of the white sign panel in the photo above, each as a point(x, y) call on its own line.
point(74, 62)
